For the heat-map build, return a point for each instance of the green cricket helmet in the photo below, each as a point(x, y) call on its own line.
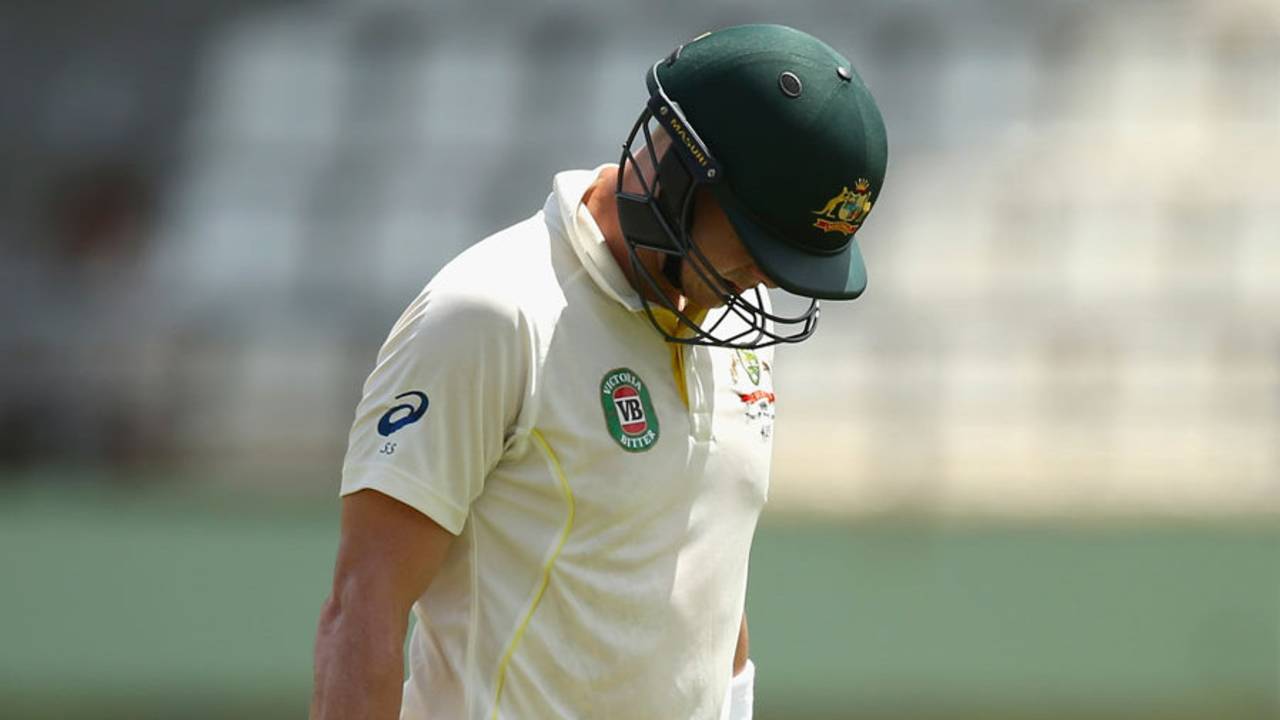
point(788, 139)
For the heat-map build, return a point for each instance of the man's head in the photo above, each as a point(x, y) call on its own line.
point(716, 238)
point(710, 231)
point(776, 155)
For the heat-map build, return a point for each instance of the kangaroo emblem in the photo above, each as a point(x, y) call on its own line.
point(844, 212)
point(829, 210)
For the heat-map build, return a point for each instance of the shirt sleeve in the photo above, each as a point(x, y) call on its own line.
point(439, 407)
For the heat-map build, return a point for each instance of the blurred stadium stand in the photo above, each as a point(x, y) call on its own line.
point(213, 213)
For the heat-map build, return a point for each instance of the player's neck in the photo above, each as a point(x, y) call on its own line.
point(603, 206)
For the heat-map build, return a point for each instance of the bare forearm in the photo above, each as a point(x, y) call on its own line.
point(741, 652)
point(359, 665)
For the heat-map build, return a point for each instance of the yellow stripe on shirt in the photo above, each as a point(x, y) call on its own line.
point(546, 567)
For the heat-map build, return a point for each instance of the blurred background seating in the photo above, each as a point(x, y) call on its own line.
point(215, 213)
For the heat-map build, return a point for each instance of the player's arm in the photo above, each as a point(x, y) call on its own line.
point(740, 653)
point(387, 556)
point(431, 424)
point(739, 698)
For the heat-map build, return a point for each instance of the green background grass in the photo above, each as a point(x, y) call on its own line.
point(145, 604)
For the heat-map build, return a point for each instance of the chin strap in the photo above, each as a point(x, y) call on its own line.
point(675, 188)
point(671, 271)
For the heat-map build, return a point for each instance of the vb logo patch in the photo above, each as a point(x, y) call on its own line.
point(628, 412)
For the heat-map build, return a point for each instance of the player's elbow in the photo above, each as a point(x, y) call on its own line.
point(331, 627)
point(365, 607)
point(356, 630)
point(359, 662)
point(344, 607)
point(330, 614)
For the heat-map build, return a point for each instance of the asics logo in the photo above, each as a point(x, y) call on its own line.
point(403, 414)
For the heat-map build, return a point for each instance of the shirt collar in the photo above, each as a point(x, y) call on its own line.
point(566, 207)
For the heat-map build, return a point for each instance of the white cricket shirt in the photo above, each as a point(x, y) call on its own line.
point(525, 403)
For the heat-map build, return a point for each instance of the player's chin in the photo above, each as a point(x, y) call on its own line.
point(718, 301)
point(710, 299)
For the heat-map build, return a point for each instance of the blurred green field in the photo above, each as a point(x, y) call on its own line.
point(157, 605)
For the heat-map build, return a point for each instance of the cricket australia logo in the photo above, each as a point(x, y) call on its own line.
point(756, 393)
point(845, 212)
point(628, 412)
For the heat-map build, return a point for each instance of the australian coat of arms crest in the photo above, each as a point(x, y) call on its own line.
point(755, 390)
point(844, 212)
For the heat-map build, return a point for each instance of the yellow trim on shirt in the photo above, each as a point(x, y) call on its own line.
point(672, 326)
point(677, 369)
point(546, 568)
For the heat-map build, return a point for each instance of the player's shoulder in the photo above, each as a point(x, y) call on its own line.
point(498, 292)
point(510, 271)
